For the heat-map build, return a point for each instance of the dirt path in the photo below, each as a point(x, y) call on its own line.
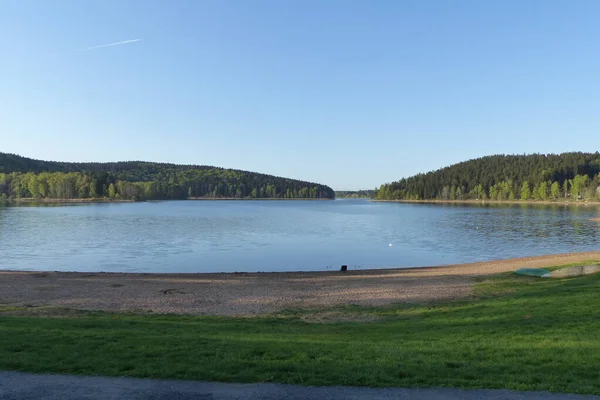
point(16, 385)
point(256, 293)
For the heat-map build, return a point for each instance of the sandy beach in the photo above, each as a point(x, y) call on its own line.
point(256, 293)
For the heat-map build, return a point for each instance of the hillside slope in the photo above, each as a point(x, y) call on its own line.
point(22, 177)
point(504, 177)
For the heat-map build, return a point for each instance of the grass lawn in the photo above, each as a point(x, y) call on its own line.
point(519, 333)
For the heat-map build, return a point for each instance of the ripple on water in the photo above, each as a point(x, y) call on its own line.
point(281, 236)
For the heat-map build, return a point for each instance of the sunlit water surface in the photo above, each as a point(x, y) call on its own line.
point(226, 236)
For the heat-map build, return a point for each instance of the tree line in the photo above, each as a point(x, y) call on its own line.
point(574, 176)
point(354, 194)
point(22, 177)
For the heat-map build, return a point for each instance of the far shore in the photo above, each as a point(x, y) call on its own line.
point(253, 199)
point(520, 202)
point(242, 294)
point(105, 200)
point(51, 200)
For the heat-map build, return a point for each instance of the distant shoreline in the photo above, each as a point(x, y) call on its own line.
point(251, 199)
point(103, 200)
point(528, 202)
point(480, 202)
point(89, 200)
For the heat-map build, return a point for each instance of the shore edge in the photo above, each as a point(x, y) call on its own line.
point(493, 264)
point(515, 202)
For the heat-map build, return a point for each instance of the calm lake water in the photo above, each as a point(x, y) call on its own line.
point(211, 236)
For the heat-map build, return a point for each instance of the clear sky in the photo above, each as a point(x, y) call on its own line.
point(347, 93)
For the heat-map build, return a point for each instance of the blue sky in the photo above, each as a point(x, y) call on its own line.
point(348, 93)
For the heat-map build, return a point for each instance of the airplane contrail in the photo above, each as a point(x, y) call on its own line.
point(110, 44)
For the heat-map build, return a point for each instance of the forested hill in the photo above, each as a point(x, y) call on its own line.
point(22, 177)
point(505, 177)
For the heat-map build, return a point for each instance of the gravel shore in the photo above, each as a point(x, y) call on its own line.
point(243, 294)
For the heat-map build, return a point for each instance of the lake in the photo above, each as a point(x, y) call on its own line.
point(250, 236)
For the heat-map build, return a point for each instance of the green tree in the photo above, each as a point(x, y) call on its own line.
point(112, 191)
point(82, 184)
point(478, 192)
point(535, 193)
point(525, 191)
point(511, 193)
point(578, 185)
point(34, 185)
point(493, 193)
point(543, 191)
point(453, 193)
point(555, 190)
point(445, 195)
point(43, 186)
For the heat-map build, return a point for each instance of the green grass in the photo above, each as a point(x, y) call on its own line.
point(520, 333)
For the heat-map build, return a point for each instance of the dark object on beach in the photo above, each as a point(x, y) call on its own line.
point(344, 268)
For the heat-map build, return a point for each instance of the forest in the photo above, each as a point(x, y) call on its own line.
point(22, 177)
point(572, 176)
point(354, 194)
